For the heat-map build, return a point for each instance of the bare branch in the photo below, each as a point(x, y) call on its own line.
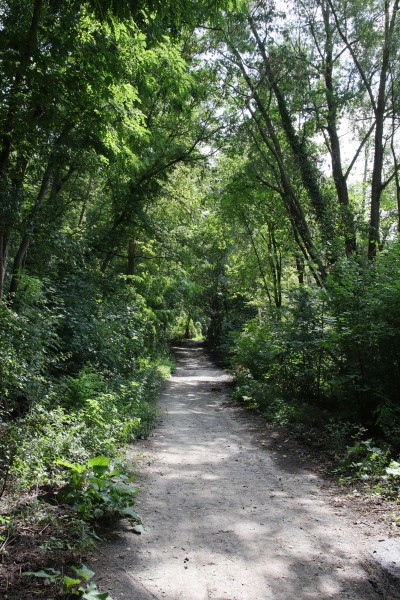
point(355, 157)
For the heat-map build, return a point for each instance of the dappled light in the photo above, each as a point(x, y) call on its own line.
point(219, 177)
point(222, 520)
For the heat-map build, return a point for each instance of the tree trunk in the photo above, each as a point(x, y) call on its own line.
point(337, 170)
point(4, 245)
point(297, 218)
point(291, 203)
point(131, 265)
point(18, 264)
point(187, 327)
point(307, 170)
point(57, 186)
point(107, 260)
point(300, 268)
point(376, 183)
point(20, 256)
point(378, 106)
point(276, 267)
point(258, 258)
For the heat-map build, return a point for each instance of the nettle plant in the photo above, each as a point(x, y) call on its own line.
point(77, 586)
point(99, 493)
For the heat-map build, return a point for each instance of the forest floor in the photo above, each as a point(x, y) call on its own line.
point(232, 511)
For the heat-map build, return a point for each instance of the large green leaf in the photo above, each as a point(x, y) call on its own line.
point(51, 574)
point(99, 464)
point(70, 582)
point(78, 468)
point(84, 572)
point(129, 512)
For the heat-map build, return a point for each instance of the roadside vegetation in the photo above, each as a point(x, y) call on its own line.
point(189, 170)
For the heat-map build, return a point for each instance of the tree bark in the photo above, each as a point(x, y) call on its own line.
point(51, 167)
point(258, 258)
point(4, 246)
point(337, 170)
point(131, 265)
point(306, 168)
point(376, 183)
point(378, 106)
point(296, 215)
point(18, 264)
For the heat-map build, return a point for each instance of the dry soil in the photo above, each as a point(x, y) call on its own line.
point(224, 518)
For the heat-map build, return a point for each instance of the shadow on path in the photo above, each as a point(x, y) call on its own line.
point(223, 520)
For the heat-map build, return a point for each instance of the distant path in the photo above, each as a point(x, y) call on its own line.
point(223, 520)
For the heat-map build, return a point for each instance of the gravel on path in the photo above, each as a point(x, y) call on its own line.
point(223, 520)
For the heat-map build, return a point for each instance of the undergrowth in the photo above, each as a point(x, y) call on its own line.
point(356, 457)
point(71, 456)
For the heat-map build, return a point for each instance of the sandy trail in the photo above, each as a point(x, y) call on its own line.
point(223, 520)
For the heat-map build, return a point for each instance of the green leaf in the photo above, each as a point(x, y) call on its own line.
point(69, 582)
point(138, 528)
point(78, 468)
point(125, 489)
point(129, 512)
point(84, 572)
point(52, 576)
point(99, 464)
point(99, 461)
point(96, 481)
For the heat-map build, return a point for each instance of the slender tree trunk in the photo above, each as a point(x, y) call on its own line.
point(307, 170)
point(296, 214)
point(397, 184)
point(258, 258)
point(29, 46)
point(376, 183)
point(378, 106)
point(85, 203)
point(107, 260)
point(131, 265)
point(300, 268)
point(4, 246)
point(24, 245)
point(57, 186)
point(276, 267)
point(337, 170)
point(18, 264)
point(187, 327)
point(395, 160)
point(364, 182)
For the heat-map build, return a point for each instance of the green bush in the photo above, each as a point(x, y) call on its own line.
point(96, 416)
point(332, 353)
point(98, 492)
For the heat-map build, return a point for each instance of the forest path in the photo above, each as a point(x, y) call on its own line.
point(224, 519)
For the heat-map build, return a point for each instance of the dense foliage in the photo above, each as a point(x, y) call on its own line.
point(101, 104)
point(189, 169)
point(304, 208)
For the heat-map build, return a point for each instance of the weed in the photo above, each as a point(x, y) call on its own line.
point(363, 460)
point(7, 531)
point(78, 586)
point(99, 493)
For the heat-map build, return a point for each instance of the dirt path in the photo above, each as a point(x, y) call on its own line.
point(223, 520)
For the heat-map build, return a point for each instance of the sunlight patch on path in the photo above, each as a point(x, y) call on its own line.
point(223, 521)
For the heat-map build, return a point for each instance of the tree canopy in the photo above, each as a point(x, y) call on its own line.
point(219, 169)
